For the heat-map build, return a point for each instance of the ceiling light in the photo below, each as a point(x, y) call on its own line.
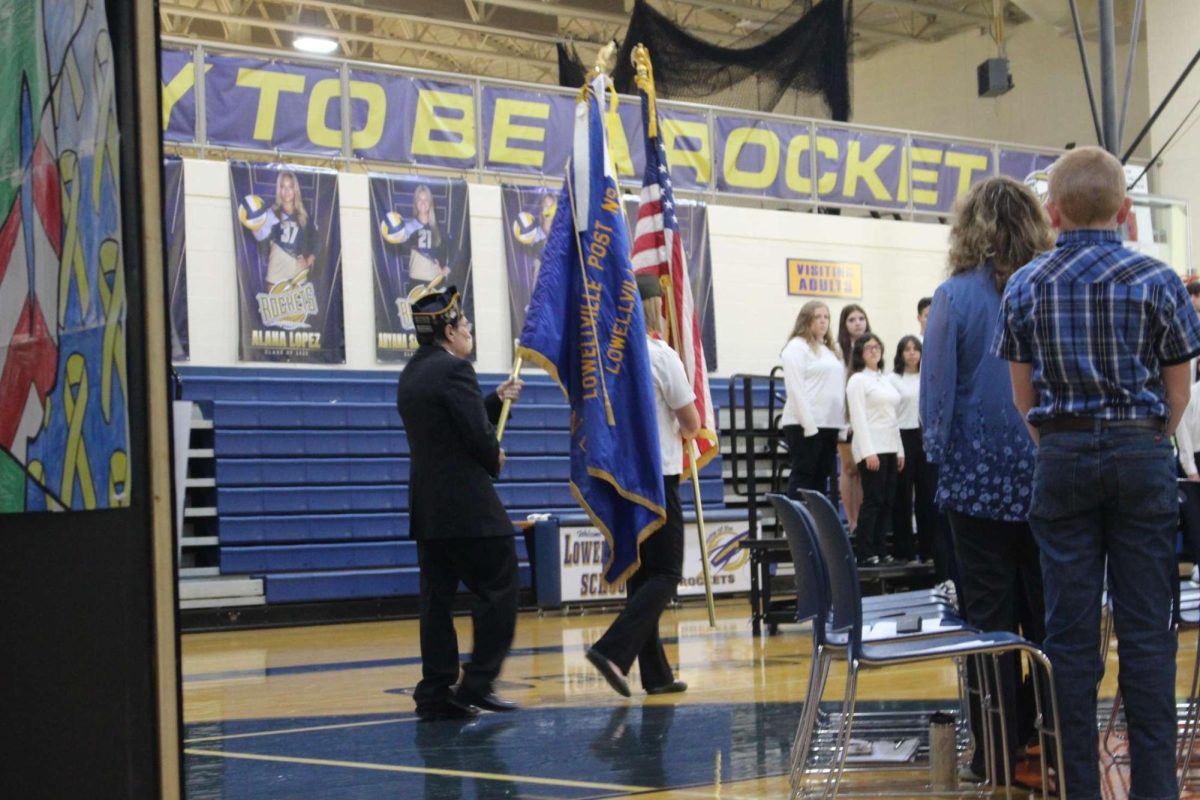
point(315, 44)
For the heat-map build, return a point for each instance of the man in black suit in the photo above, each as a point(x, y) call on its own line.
point(461, 528)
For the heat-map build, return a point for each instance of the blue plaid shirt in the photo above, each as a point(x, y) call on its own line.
point(1098, 322)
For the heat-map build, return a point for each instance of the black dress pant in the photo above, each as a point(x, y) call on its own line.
point(814, 460)
point(1001, 581)
point(875, 516)
point(487, 566)
point(633, 635)
point(919, 481)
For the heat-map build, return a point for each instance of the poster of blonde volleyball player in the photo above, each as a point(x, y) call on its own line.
point(527, 212)
point(420, 233)
point(288, 248)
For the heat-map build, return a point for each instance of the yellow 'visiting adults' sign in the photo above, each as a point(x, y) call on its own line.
point(814, 278)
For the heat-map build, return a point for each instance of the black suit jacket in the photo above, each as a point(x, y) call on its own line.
point(455, 455)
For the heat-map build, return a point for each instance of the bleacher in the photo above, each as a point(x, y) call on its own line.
point(311, 477)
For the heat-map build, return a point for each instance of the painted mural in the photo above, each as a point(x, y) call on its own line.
point(64, 419)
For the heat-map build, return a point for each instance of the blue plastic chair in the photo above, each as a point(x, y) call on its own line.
point(829, 525)
point(812, 603)
point(845, 616)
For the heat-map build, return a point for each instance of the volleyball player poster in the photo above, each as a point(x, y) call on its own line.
point(175, 231)
point(420, 232)
point(288, 249)
point(527, 212)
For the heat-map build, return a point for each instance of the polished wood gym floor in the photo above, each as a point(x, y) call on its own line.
point(325, 712)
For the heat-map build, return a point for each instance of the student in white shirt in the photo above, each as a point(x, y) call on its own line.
point(815, 410)
point(917, 477)
point(876, 446)
point(852, 324)
point(1187, 436)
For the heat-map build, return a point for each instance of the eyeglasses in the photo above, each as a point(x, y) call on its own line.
point(465, 324)
point(872, 346)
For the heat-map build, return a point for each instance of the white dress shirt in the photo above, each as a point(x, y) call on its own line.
point(908, 413)
point(815, 383)
point(1187, 435)
point(873, 401)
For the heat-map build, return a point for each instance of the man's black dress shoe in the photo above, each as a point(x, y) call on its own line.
point(488, 702)
point(610, 672)
point(449, 707)
point(669, 688)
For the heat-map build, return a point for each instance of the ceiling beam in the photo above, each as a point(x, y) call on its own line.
point(383, 41)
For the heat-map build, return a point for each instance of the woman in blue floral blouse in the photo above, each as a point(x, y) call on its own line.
point(975, 434)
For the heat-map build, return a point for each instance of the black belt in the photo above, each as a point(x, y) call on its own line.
point(1097, 425)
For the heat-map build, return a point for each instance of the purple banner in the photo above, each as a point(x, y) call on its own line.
point(689, 151)
point(175, 232)
point(764, 158)
point(860, 168)
point(941, 172)
point(526, 132)
point(288, 252)
point(1033, 169)
point(178, 95)
point(421, 230)
point(273, 105)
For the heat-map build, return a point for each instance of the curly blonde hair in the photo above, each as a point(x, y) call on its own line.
point(998, 220)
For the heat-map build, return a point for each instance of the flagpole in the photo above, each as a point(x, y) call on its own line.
point(645, 80)
point(506, 407)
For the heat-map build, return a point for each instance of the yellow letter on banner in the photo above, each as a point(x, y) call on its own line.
point(75, 462)
point(857, 168)
point(966, 164)
point(432, 106)
point(699, 159)
point(323, 92)
point(618, 143)
point(175, 90)
point(501, 149)
point(797, 149)
point(828, 147)
point(739, 138)
point(270, 86)
point(922, 176)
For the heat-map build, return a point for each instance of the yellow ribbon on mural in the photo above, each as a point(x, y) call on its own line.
point(75, 464)
point(72, 257)
point(106, 125)
point(118, 479)
point(112, 297)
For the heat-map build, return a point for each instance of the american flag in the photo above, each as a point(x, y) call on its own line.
point(658, 250)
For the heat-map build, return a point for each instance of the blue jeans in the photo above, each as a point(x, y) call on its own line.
point(1110, 495)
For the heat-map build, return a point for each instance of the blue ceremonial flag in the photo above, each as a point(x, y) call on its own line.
point(585, 327)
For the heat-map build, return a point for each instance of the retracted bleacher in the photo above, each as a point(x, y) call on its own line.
point(312, 469)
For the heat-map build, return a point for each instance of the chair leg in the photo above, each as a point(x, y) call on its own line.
point(1110, 728)
point(1038, 660)
point(847, 727)
point(984, 698)
point(806, 730)
point(998, 714)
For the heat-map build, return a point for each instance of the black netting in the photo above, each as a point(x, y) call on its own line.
point(803, 69)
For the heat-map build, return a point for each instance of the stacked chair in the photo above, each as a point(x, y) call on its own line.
point(846, 628)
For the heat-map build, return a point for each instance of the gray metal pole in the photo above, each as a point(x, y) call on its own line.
point(1108, 78)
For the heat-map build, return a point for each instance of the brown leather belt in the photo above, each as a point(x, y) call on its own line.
point(1097, 425)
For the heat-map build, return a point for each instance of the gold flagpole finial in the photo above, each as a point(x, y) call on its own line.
point(606, 59)
point(645, 81)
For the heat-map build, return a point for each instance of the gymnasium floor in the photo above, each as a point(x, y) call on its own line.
point(325, 712)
